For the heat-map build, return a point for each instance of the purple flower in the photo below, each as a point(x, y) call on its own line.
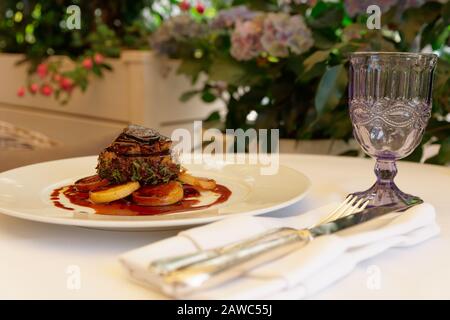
point(181, 27)
point(229, 17)
point(246, 39)
point(283, 32)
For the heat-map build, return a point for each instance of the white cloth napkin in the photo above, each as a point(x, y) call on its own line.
point(300, 273)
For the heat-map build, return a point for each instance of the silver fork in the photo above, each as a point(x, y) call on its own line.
point(277, 236)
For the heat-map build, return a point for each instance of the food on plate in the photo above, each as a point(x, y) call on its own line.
point(113, 192)
point(203, 183)
point(91, 183)
point(138, 175)
point(138, 154)
point(160, 195)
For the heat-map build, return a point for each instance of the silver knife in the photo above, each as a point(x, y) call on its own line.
point(185, 274)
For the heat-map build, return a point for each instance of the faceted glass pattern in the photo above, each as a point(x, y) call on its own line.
point(390, 96)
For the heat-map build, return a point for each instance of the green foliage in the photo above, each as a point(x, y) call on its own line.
point(305, 95)
point(331, 88)
point(37, 28)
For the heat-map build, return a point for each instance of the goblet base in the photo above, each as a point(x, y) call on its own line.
point(388, 194)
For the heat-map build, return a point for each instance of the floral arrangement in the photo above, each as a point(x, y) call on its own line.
point(39, 30)
point(283, 64)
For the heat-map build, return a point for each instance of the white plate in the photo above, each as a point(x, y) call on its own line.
point(25, 193)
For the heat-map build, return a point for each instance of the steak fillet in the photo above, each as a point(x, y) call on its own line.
point(138, 154)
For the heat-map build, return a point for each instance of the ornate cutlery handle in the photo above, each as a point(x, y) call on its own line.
point(225, 264)
point(167, 265)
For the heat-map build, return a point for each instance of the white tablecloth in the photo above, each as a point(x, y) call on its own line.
point(57, 262)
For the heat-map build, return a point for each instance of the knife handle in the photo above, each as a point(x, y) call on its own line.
point(227, 264)
point(166, 265)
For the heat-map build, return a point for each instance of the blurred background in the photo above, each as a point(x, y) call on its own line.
point(74, 73)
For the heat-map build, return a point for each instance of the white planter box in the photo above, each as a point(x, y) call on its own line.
point(141, 89)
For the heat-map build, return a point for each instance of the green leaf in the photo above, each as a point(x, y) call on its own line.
point(97, 71)
point(326, 15)
point(191, 68)
point(415, 18)
point(214, 116)
point(227, 70)
point(208, 97)
point(322, 40)
point(107, 66)
point(316, 71)
point(186, 96)
point(350, 153)
point(443, 157)
point(416, 156)
point(331, 88)
point(446, 13)
point(316, 57)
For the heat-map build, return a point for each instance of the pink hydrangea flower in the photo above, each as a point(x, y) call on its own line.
point(181, 27)
point(229, 17)
point(246, 39)
point(283, 32)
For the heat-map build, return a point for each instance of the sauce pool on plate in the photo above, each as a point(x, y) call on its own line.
point(125, 207)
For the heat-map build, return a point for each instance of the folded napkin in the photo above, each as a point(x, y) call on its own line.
point(299, 274)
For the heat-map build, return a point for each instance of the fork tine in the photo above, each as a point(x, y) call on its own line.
point(335, 211)
point(345, 210)
point(343, 203)
point(358, 207)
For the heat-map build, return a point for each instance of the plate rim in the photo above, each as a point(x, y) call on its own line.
point(145, 224)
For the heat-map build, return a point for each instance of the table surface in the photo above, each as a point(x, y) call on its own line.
point(41, 261)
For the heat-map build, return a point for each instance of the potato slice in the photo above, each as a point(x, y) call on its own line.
point(159, 195)
point(114, 192)
point(207, 184)
point(187, 178)
point(203, 183)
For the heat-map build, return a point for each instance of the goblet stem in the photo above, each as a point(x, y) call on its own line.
point(385, 192)
point(385, 170)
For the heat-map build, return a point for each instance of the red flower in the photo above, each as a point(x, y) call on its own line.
point(98, 58)
point(42, 70)
point(34, 87)
point(200, 8)
point(66, 83)
point(46, 90)
point(21, 91)
point(87, 63)
point(184, 5)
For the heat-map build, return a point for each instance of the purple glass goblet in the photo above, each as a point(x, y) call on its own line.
point(390, 104)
